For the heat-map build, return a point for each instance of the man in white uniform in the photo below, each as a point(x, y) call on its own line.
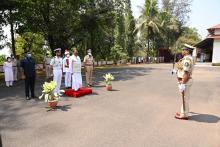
point(76, 71)
point(67, 69)
point(8, 70)
point(47, 61)
point(56, 66)
point(184, 76)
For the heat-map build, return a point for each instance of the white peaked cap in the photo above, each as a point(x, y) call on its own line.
point(57, 49)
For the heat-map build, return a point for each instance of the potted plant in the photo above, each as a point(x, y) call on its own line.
point(108, 80)
point(49, 95)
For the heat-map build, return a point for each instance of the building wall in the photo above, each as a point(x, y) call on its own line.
point(217, 32)
point(216, 51)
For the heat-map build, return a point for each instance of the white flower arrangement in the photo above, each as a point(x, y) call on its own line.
point(48, 92)
point(108, 78)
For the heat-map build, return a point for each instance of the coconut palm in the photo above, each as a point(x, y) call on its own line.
point(148, 21)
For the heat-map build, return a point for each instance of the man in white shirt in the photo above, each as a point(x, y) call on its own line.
point(56, 66)
point(67, 69)
point(76, 71)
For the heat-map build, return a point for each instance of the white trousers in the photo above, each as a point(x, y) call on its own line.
point(186, 99)
point(9, 83)
point(67, 79)
point(57, 77)
point(76, 81)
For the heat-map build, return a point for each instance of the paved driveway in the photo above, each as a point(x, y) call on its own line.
point(139, 112)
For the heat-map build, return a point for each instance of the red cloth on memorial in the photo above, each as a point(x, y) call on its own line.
point(81, 92)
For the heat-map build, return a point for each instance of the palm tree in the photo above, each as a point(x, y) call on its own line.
point(170, 28)
point(149, 21)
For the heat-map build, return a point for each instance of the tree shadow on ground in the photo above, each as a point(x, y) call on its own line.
point(120, 74)
point(13, 99)
point(205, 118)
point(18, 89)
point(13, 114)
point(62, 108)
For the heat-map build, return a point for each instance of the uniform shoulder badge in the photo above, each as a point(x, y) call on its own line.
point(186, 64)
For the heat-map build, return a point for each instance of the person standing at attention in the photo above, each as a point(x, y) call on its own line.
point(67, 69)
point(88, 63)
point(15, 68)
point(184, 77)
point(47, 60)
point(8, 70)
point(28, 65)
point(56, 67)
point(76, 70)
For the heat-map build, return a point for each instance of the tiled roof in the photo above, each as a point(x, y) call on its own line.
point(215, 27)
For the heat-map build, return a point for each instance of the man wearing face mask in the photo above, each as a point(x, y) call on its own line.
point(28, 65)
point(67, 69)
point(8, 70)
point(76, 71)
point(56, 67)
point(88, 63)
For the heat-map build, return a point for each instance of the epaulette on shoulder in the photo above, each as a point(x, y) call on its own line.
point(187, 58)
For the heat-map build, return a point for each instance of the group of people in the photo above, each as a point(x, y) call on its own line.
point(13, 72)
point(70, 65)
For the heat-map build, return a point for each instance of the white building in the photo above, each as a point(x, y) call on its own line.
point(209, 48)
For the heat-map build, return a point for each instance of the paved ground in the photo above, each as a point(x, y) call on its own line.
point(138, 113)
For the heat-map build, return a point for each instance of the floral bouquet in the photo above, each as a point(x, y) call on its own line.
point(48, 92)
point(108, 78)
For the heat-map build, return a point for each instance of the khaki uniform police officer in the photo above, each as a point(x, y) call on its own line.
point(47, 60)
point(184, 76)
point(88, 62)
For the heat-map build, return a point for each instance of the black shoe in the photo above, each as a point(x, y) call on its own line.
point(34, 97)
point(27, 98)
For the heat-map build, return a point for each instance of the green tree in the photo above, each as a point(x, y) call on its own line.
point(120, 25)
point(2, 59)
point(31, 42)
point(57, 21)
point(97, 28)
point(148, 21)
point(189, 36)
point(129, 29)
point(117, 53)
point(9, 16)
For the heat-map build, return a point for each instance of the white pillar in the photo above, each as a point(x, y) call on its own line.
point(216, 51)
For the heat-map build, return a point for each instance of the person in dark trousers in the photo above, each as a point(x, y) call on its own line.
point(0, 140)
point(28, 65)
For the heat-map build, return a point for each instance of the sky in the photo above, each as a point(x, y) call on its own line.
point(205, 14)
